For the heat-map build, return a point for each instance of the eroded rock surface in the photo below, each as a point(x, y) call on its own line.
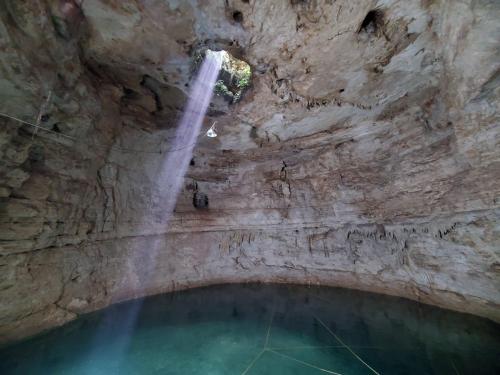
point(365, 154)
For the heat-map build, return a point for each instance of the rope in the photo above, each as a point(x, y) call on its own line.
point(454, 367)
point(273, 350)
point(307, 347)
point(343, 344)
point(253, 362)
point(303, 363)
point(36, 126)
point(270, 325)
point(43, 109)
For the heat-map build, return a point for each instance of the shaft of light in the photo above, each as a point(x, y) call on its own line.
point(170, 179)
point(177, 163)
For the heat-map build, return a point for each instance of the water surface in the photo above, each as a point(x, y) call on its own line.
point(263, 329)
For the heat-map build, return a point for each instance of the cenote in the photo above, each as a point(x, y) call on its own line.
point(234, 153)
point(263, 329)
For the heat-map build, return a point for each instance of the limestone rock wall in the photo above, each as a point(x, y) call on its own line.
point(365, 155)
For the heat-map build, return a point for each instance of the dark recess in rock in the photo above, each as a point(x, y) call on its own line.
point(130, 94)
point(238, 16)
point(373, 22)
point(56, 128)
point(151, 84)
point(200, 200)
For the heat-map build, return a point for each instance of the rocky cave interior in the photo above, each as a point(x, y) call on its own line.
point(358, 146)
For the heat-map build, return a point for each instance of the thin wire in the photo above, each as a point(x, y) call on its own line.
point(270, 325)
point(307, 347)
point(253, 361)
point(345, 345)
point(129, 150)
point(304, 363)
point(36, 126)
point(43, 108)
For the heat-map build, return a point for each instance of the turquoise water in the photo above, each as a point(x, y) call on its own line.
point(263, 329)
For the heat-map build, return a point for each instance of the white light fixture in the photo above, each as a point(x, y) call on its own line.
point(211, 132)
